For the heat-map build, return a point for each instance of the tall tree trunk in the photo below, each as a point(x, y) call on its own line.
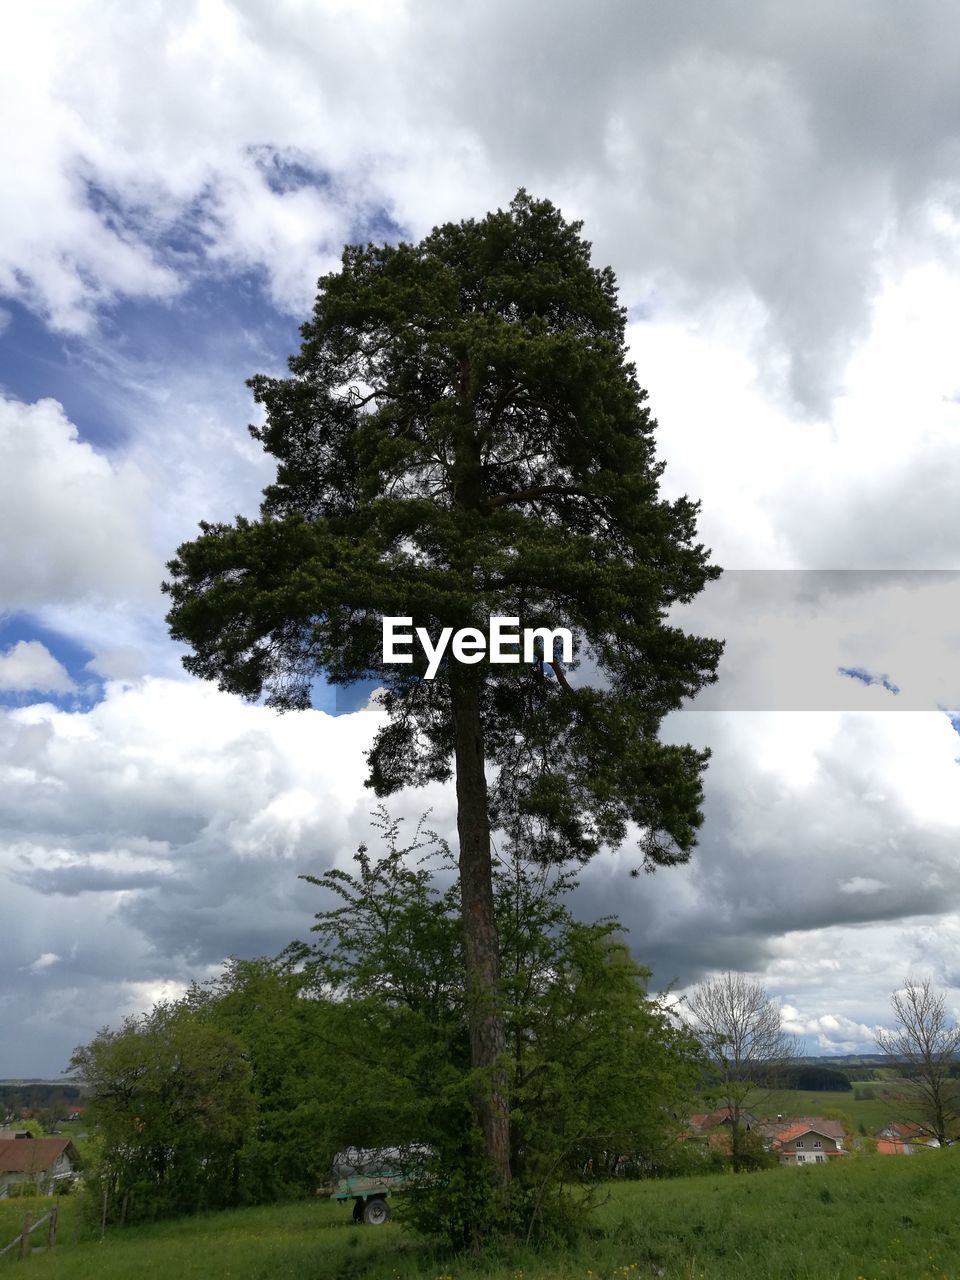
point(487, 1032)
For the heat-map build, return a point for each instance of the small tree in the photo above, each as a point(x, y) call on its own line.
point(172, 1102)
point(599, 1069)
point(926, 1039)
point(291, 1043)
point(741, 1031)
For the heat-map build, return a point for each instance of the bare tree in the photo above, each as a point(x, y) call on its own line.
point(741, 1031)
point(926, 1039)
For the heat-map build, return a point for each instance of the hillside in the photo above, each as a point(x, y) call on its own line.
point(867, 1219)
point(885, 1101)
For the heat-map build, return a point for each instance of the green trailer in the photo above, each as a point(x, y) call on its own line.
point(369, 1177)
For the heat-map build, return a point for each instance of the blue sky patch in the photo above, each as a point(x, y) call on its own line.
point(866, 677)
point(283, 172)
point(36, 364)
point(71, 655)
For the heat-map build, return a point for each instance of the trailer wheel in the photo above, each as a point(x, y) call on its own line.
point(358, 1210)
point(376, 1211)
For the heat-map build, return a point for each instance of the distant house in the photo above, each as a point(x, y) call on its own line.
point(803, 1143)
point(894, 1147)
point(832, 1128)
point(44, 1162)
point(704, 1121)
point(901, 1132)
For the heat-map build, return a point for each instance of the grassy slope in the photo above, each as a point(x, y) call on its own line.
point(873, 1112)
point(868, 1218)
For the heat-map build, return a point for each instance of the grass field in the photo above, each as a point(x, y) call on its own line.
point(873, 1113)
point(871, 1219)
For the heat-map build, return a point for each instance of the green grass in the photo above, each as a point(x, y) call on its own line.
point(889, 1104)
point(880, 1219)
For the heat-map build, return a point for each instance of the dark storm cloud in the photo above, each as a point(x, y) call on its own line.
point(836, 846)
point(76, 879)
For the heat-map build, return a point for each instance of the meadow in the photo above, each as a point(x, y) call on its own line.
point(860, 1219)
point(888, 1103)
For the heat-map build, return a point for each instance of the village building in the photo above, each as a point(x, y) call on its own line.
point(42, 1162)
point(804, 1143)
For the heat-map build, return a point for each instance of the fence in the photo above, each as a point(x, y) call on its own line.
point(29, 1226)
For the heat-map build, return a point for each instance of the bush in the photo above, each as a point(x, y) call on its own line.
point(24, 1191)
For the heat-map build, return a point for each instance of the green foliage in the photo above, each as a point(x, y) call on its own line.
point(462, 436)
point(245, 1089)
point(602, 1068)
point(25, 1191)
point(286, 1038)
point(171, 1099)
point(396, 935)
point(33, 1126)
point(48, 1101)
point(597, 1069)
point(752, 1153)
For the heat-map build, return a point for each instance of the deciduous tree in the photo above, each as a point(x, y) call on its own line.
point(172, 1103)
point(599, 1069)
point(741, 1031)
point(928, 1039)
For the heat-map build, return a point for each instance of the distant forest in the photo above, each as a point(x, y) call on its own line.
point(48, 1103)
point(835, 1078)
point(820, 1079)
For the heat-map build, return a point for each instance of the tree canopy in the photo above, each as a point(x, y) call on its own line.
point(462, 436)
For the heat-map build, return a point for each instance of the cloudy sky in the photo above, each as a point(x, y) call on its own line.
point(776, 187)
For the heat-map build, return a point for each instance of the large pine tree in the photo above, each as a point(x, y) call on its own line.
point(463, 437)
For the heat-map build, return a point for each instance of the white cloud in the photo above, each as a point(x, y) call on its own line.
point(862, 884)
point(796, 806)
point(59, 254)
point(830, 1033)
point(29, 665)
point(180, 818)
point(119, 662)
point(789, 238)
point(164, 830)
point(727, 156)
point(70, 518)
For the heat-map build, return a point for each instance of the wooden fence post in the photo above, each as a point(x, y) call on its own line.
point(52, 1230)
point(25, 1234)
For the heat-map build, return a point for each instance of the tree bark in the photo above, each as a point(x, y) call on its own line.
point(487, 1032)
